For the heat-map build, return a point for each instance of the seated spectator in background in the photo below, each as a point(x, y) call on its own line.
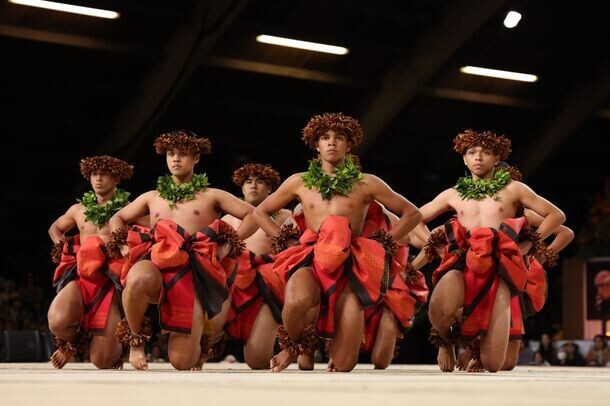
point(526, 355)
point(546, 354)
point(569, 355)
point(599, 354)
point(31, 290)
point(8, 292)
point(22, 307)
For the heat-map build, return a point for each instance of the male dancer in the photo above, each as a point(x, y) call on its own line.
point(530, 301)
point(180, 262)
point(482, 266)
point(86, 279)
point(334, 272)
point(255, 315)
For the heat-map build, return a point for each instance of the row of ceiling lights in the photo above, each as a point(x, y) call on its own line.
point(510, 21)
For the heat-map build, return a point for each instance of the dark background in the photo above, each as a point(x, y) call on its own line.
point(76, 86)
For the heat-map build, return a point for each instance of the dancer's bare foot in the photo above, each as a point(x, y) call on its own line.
point(137, 358)
point(463, 359)
point(305, 362)
point(119, 363)
point(199, 365)
point(60, 358)
point(331, 366)
point(475, 365)
point(281, 361)
point(446, 359)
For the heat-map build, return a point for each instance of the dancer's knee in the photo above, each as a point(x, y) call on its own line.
point(345, 362)
point(103, 359)
point(492, 363)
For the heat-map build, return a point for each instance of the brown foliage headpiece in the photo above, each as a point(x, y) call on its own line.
point(183, 140)
point(264, 172)
point(107, 165)
point(498, 144)
point(338, 122)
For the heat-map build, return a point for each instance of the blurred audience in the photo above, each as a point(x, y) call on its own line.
point(23, 308)
point(599, 354)
point(526, 355)
point(569, 355)
point(546, 354)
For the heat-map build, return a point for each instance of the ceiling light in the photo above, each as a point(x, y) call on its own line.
point(512, 19)
point(294, 43)
point(501, 74)
point(68, 8)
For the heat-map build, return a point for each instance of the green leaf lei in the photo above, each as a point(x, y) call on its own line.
point(469, 188)
point(99, 215)
point(342, 182)
point(174, 193)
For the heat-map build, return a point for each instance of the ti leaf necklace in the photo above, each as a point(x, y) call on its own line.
point(174, 193)
point(100, 214)
point(343, 181)
point(471, 189)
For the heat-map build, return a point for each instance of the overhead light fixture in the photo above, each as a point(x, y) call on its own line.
point(512, 19)
point(68, 8)
point(501, 74)
point(295, 43)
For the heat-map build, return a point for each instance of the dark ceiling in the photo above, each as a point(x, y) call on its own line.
point(76, 86)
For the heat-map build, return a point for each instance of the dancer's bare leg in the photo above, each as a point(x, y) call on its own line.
point(105, 349)
point(512, 355)
point(349, 330)
point(258, 350)
point(143, 286)
point(184, 350)
point(301, 307)
point(64, 317)
point(495, 343)
point(385, 340)
point(216, 334)
point(447, 298)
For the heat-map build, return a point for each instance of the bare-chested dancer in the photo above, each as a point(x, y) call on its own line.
point(184, 262)
point(88, 285)
point(255, 315)
point(482, 266)
point(334, 272)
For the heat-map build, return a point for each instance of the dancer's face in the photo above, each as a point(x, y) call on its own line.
point(102, 183)
point(333, 146)
point(180, 163)
point(255, 190)
point(481, 161)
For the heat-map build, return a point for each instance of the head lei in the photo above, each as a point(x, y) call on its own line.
point(183, 140)
point(338, 122)
point(264, 172)
point(107, 165)
point(498, 144)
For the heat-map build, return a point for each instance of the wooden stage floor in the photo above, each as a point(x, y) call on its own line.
point(234, 384)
